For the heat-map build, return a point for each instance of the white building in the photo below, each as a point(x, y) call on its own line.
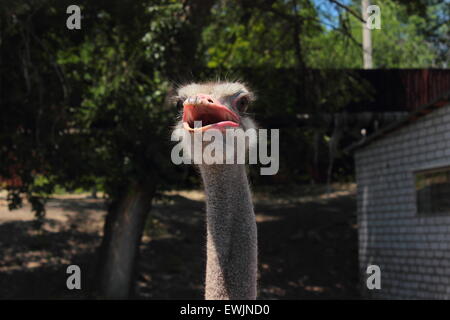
point(403, 177)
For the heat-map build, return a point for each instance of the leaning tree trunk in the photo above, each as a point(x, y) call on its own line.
point(119, 250)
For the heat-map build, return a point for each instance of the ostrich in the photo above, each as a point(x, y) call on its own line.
point(231, 244)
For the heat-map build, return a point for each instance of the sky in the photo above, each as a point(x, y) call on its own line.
point(328, 12)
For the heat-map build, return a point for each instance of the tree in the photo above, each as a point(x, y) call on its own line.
point(101, 92)
point(399, 43)
point(329, 36)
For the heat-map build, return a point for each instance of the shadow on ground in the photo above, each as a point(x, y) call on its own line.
point(33, 263)
point(307, 250)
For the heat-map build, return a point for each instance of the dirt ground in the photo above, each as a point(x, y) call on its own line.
point(307, 246)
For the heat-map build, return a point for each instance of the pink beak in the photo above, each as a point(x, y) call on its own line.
point(211, 113)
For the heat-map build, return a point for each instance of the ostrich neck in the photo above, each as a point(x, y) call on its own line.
point(231, 264)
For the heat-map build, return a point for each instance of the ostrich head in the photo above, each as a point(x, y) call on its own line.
point(212, 106)
point(218, 105)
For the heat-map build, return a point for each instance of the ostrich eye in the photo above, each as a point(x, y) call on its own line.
point(242, 103)
point(180, 104)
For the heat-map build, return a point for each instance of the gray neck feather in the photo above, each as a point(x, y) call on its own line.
point(231, 265)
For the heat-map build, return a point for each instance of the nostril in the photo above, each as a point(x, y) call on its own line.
point(210, 101)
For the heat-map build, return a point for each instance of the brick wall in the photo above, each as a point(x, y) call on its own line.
point(413, 252)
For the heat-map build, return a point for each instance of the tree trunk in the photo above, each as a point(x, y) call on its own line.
point(119, 250)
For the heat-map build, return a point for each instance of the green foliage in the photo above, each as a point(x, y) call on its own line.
point(265, 36)
point(122, 121)
point(91, 107)
point(258, 35)
point(31, 94)
point(398, 44)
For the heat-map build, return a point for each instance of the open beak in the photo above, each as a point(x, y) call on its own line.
point(201, 113)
